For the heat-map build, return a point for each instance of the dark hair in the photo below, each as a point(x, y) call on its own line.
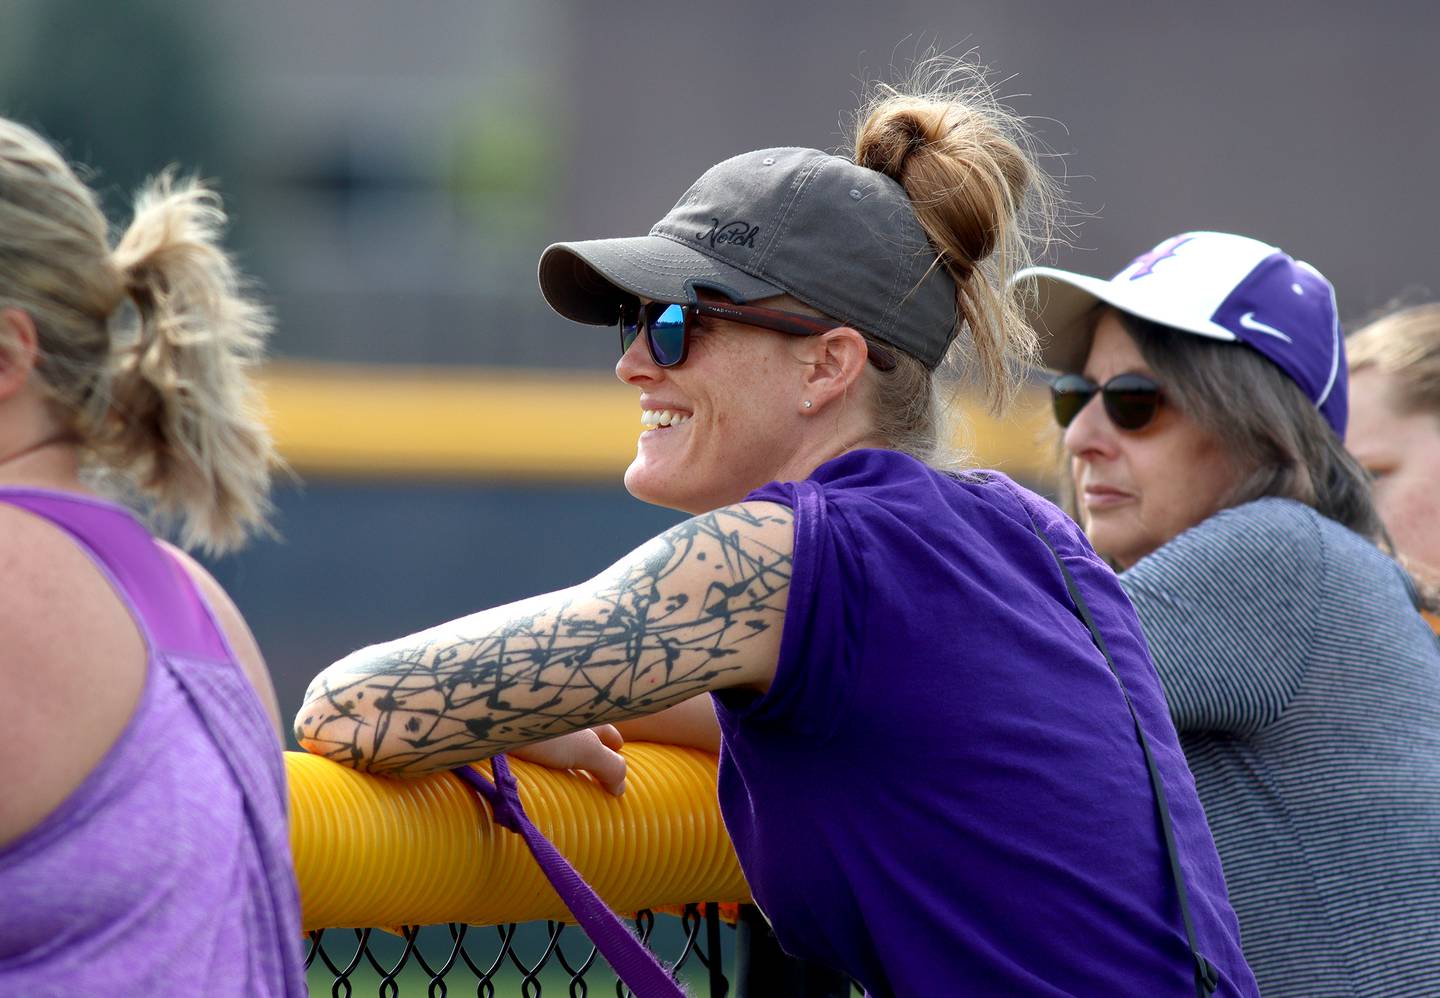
point(1276, 438)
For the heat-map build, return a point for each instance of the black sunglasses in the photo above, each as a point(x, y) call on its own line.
point(668, 327)
point(1131, 400)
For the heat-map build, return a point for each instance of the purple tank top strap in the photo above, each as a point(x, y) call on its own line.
point(145, 576)
point(176, 622)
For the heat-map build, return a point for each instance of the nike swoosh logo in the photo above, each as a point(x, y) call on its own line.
point(1249, 321)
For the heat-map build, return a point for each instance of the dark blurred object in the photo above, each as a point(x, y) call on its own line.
point(764, 970)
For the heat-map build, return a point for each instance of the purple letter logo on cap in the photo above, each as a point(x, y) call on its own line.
point(1145, 263)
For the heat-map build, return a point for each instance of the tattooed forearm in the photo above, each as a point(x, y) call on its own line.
point(687, 613)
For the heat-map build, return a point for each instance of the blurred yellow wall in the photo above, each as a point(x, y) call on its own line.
point(379, 422)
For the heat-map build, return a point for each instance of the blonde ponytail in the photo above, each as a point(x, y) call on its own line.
point(181, 419)
point(966, 164)
point(157, 396)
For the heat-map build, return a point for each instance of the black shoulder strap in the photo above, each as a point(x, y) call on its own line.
point(1207, 979)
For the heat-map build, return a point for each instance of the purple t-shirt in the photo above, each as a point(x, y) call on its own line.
point(943, 787)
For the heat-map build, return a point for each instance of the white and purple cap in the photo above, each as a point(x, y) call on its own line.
point(1212, 284)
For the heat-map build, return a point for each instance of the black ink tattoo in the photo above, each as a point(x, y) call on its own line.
point(660, 627)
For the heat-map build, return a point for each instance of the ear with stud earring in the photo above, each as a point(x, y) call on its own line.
point(808, 403)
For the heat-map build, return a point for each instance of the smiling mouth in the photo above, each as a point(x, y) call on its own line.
point(655, 419)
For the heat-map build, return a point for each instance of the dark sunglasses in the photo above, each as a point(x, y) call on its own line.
point(668, 328)
point(1131, 400)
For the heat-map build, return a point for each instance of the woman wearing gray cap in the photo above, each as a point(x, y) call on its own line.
point(1305, 687)
point(931, 693)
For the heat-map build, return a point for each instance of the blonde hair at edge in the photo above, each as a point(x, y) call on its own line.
point(1404, 344)
point(968, 167)
point(144, 348)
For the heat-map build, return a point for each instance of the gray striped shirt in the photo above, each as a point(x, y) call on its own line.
point(1306, 690)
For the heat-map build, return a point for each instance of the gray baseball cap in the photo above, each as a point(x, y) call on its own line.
point(842, 238)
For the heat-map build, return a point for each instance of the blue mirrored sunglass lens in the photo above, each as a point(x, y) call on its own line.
point(667, 335)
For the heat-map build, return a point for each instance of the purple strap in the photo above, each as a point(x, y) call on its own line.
point(635, 965)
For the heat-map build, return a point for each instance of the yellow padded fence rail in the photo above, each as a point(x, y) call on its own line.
point(371, 851)
point(377, 422)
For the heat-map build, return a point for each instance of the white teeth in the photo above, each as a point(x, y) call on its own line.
point(652, 418)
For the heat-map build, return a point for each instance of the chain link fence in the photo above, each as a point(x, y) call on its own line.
point(711, 953)
point(542, 958)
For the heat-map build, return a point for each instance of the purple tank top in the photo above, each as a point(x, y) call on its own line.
point(168, 870)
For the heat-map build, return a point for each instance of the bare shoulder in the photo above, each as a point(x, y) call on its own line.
point(748, 537)
point(767, 519)
point(72, 663)
point(237, 632)
point(751, 520)
point(725, 572)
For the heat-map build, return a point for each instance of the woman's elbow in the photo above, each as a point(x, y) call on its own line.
point(335, 722)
